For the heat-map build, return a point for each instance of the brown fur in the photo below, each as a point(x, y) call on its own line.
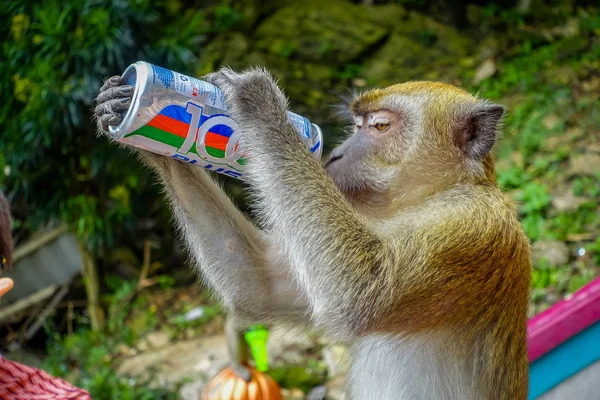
point(469, 270)
point(403, 245)
point(430, 243)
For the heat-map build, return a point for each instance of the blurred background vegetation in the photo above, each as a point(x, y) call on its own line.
point(540, 58)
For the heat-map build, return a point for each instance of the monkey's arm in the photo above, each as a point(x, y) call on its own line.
point(340, 264)
point(358, 279)
point(232, 254)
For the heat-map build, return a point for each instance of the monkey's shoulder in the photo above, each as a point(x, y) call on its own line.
point(473, 201)
point(466, 219)
point(477, 225)
point(461, 205)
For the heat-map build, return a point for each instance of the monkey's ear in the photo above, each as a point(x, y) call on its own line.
point(478, 129)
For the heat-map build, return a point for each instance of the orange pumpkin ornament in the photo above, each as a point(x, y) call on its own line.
point(228, 386)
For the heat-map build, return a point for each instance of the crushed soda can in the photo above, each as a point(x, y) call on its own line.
point(186, 118)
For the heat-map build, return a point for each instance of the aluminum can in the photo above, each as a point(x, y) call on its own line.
point(186, 118)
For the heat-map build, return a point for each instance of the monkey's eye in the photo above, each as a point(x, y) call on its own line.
point(381, 126)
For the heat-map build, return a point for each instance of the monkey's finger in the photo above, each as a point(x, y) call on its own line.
point(108, 119)
point(211, 77)
point(222, 77)
point(229, 74)
point(115, 92)
point(112, 82)
point(113, 106)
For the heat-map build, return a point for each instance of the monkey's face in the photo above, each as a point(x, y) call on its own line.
point(414, 134)
point(368, 159)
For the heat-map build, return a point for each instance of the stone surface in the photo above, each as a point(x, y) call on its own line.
point(564, 139)
point(556, 253)
point(336, 389)
point(432, 54)
point(198, 359)
point(316, 51)
point(551, 121)
point(585, 164)
point(339, 32)
point(153, 340)
point(486, 70)
point(192, 390)
point(567, 201)
point(293, 394)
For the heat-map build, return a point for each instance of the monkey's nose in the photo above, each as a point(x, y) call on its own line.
point(332, 158)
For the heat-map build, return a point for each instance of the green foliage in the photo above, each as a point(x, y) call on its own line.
point(89, 359)
point(93, 355)
point(54, 57)
point(539, 75)
point(595, 248)
point(303, 377)
point(544, 275)
point(584, 219)
point(578, 281)
point(119, 308)
point(586, 186)
point(226, 18)
point(512, 178)
point(534, 200)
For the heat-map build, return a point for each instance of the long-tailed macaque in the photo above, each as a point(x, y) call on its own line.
point(401, 245)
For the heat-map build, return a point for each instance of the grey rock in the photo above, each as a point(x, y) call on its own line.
point(567, 201)
point(555, 252)
point(336, 389)
point(198, 359)
point(486, 70)
point(585, 164)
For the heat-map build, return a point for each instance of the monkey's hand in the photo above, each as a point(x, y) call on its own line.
point(260, 108)
point(113, 100)
point(335, 257)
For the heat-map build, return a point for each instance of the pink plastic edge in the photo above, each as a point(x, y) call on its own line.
point(563, 320)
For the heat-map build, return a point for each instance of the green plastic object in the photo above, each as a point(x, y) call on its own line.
point(257, 336)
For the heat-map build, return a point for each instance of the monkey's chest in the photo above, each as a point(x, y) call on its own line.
point(396, 368)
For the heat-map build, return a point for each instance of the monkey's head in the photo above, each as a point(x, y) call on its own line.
point(415, 135)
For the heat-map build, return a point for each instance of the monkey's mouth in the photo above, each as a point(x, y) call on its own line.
point(332, 159)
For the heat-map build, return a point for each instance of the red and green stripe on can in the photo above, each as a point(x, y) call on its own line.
point(171, 127)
